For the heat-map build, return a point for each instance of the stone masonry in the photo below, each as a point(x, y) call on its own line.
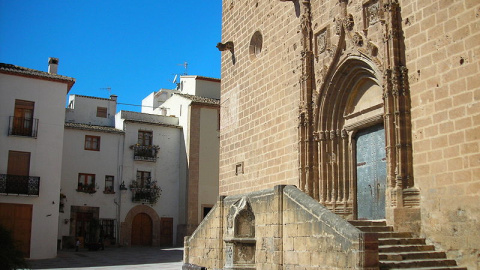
point(300, 80)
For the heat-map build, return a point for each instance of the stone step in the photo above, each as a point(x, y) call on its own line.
point(400, 250)
point(401, 241)
point(368, 222)
point(433, 268)
point(375, 228)
point(404, 248)
point(411, 255)
point(383, 235)
point(416, 263)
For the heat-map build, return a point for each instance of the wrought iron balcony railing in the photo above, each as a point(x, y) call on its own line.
point(149, 193)
point(145, 152)
point(17, 184)
point(20, 126)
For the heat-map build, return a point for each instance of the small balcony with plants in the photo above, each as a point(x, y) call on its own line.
point(145, 152)
point(148, 193)
point(19, 185)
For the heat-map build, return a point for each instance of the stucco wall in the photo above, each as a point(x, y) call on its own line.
point(46, 153)
point(165, 170)
point(107, 161)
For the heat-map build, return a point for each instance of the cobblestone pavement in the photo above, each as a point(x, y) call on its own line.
point(114, 258)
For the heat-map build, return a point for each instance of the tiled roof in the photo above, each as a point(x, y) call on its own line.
point(82, 96)
point(12, 69)
point(200, 99)
point(93, 128)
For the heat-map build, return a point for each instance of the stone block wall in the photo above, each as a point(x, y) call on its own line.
point(259, 108)
point(205, 246)
point(442, 41)
point(290, 230)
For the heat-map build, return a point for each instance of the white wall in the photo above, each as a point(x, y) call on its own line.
point(107, 161)
point(46, 153)
point(195, 85)
point(165, 170)
point(85, 110)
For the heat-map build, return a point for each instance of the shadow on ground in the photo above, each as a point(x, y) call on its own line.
point(112, 256)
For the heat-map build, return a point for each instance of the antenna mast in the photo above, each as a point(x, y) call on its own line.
point(109, 89)
point(185, 65)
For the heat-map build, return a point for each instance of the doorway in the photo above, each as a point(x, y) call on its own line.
point(142, 230)
point(166, 232)
point(371, 173)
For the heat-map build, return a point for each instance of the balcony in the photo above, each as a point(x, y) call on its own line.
point(145, 152)
point(19, 126)
point(20, 185)
point(149, 193)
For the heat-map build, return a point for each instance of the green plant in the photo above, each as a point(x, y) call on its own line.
point(10, 256)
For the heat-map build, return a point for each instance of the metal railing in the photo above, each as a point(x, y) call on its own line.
point(145, 152)
point(18, 184)
point(20, 126)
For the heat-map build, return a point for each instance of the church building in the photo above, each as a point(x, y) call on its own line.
point(349, 137)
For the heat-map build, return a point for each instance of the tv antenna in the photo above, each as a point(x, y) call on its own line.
point(185, 65)
point(109, 89)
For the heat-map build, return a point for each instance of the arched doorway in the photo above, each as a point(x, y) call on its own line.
point(140, 221)
point(141, 230)
point(347, 110)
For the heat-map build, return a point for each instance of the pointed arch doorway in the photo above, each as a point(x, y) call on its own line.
point(352, 171)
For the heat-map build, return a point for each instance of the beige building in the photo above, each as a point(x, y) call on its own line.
point(371, 109)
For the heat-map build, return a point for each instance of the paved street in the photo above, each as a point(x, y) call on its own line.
point(115, 258)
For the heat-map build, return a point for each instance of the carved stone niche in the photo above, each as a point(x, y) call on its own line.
point(240, 240)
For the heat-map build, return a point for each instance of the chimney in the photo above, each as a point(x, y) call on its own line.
point(52, 65)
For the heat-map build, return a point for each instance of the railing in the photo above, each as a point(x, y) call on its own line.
point(145, 152)
point(145, 194)
point(20, 126)
point(17, 184)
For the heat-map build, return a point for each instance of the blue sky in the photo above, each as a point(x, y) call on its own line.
point(134, 47)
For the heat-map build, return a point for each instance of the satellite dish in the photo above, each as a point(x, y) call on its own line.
point(175, 79)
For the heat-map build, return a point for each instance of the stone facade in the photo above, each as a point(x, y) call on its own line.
point(275, 229)
point(302, 80)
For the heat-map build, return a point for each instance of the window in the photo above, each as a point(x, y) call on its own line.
point(86, 183)
point(92, 143)
point(107, 230)
point(109, 184)
point(102, 112)
point(145, 137)
point(23, 122)
point(142, 178)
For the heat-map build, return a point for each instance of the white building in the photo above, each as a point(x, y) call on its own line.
point(32, 116)
point(91, 171)
point(145, 178)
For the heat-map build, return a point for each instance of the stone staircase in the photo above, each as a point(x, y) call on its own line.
point(400, 250)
